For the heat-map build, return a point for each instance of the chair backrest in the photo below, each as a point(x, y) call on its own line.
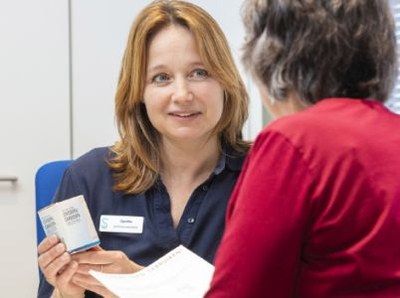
point(47, 179)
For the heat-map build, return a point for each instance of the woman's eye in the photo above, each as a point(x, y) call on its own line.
point(160, 78)
point(199, 74)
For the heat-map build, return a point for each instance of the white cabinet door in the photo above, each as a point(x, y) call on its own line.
point(34, 126)
point(99, 32)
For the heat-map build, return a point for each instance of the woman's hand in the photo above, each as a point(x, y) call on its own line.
point(104, 261)
point(58, 268)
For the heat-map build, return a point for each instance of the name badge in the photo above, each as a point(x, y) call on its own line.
point(121, 224)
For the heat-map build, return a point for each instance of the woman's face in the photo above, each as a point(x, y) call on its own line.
point(183, 101)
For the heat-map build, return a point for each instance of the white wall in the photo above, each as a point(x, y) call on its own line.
point(34, 126)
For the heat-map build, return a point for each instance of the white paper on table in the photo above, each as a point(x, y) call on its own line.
point(178, 274)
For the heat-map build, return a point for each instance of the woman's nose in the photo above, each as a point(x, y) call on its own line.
point(182, 91)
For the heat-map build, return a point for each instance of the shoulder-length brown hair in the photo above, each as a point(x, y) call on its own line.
point(135, 159)
point(319, 49)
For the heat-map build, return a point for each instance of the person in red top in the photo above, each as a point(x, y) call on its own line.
point(316, 210)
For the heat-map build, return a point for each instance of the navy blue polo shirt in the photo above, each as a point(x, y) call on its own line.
point(200, 228)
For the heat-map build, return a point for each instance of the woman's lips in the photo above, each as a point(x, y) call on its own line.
point(184, 115)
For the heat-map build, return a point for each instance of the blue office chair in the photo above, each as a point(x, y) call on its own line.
point(47, 179)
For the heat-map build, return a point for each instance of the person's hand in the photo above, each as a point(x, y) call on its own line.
point(58, 268)
point(104, 261)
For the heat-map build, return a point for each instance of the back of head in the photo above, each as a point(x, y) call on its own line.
point(321, 48)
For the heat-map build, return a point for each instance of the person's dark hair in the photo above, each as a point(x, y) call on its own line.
point(318, 49)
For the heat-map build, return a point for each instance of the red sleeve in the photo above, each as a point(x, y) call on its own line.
point(266, 223)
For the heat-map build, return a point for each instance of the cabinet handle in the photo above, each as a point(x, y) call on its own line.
point(11, 179)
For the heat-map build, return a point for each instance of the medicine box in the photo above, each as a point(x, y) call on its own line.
point(70, 220)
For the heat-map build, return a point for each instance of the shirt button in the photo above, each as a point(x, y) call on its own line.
point(190, 220)
point(205, 187)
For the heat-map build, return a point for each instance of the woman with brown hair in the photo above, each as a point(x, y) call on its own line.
point(316, 210)
point(180, 109)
